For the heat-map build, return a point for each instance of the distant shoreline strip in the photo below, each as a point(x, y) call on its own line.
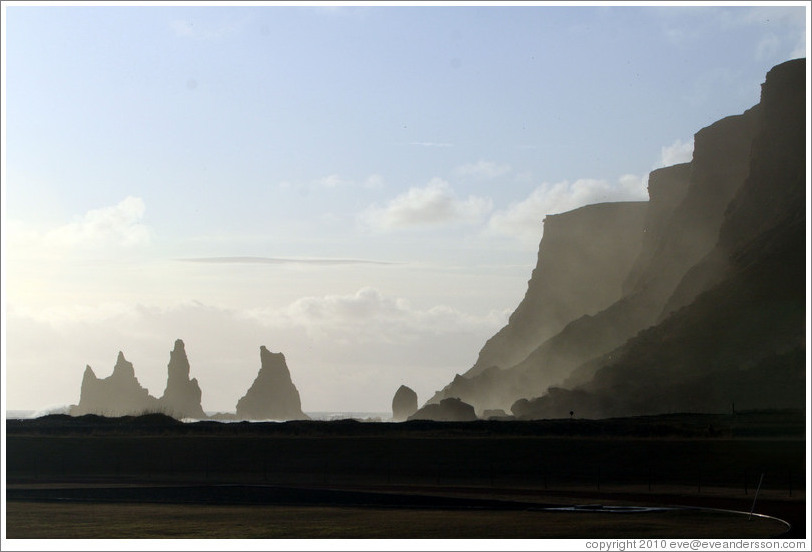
point(276, 260)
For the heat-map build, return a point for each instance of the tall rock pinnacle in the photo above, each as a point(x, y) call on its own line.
point(272, 396)
point(181, 399)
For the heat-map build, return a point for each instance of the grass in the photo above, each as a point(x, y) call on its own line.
point(671, 459)
point(168, 521)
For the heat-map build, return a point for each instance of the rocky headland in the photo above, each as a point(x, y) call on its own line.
point(708, 310)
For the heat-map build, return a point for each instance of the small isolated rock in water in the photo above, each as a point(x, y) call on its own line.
point(120, 394)
point(449, 410)
point(182, 397)
point(272, 396)
point(404, 403)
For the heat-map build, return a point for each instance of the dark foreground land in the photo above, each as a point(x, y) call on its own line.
point(154, 477)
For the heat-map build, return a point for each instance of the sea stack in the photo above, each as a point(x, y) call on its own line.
point(120, 394)
point(182, 397)
point(404, 404)
point(272, 396)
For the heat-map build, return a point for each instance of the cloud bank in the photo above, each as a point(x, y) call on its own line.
point(346, 351)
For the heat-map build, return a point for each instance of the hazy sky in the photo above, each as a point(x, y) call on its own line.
point(359, 187)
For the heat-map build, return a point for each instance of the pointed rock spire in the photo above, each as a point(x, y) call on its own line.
point(123, 367)
point(182, 396)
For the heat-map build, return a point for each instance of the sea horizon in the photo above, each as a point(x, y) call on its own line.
point(318, 415)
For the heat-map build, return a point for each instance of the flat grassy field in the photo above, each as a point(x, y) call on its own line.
point(166, 521)
point(152, 477)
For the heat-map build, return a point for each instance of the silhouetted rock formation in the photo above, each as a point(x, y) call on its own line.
point(734, 329)
point(584, 258)
point(404, 403)
point(448, 410)
point(120, 394)
point(272, 396)
point(182, 396)
point(724, 226)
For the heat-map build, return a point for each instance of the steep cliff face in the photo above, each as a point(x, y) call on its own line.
point(272, 396)
point(583, 259)
point(733, 332)
point(688, 235)
point(666, 190)
point(120, 394)
point(182, 396)
point(684, 216)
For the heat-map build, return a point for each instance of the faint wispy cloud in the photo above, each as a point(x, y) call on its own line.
point(431, 144)
point(331, 181)
point(482, 169)
point(189, 29)
point(374, 182)
point(371, 182)
point(432, 204)
point(117, 225)
point(334, 181)
point(767, 47)
point(279, 261)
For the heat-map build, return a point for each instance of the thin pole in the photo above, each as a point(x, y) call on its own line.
point(760, 479)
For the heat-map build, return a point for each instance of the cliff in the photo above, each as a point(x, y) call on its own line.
point(583, 260)
point(272, 396)
point(182, 396)
point(119, 394)
point(680, 255)
point(732, 334)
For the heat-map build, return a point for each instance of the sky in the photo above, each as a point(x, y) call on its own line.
point(359, 187)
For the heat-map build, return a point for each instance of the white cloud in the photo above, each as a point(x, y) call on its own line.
point(678, 152)
point(118, 225)
point(482, 169)
point(523, 220)
point(435, 203)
